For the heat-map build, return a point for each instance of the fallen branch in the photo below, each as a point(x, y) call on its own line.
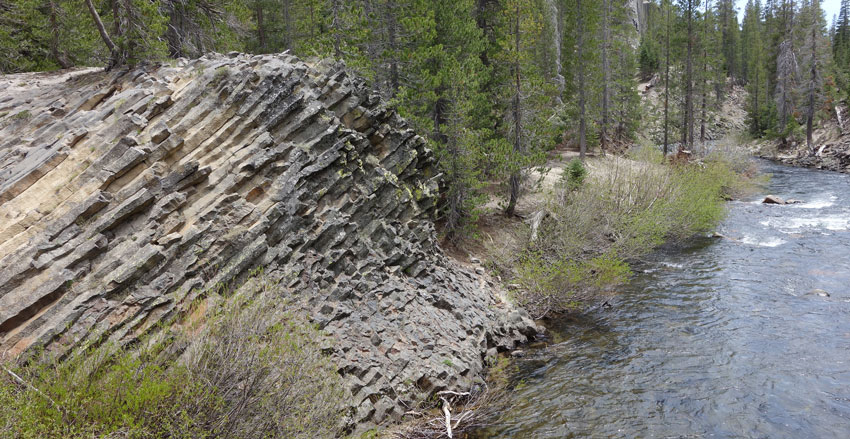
point(29, 386)
point(447, 410)
point(474, 411)
point(536, 220)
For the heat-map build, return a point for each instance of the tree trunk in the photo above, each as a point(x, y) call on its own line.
point(689, 83)
point(517, 114)
point(58, 56)
point(756, 100)
point(392, 36)
point(606, 75)
point(704, 110)
point(287, 24)
point(116, 18)
point(582, 130)
point(337, 31)
point(113, 49)
point(810, 116)
point(261, 28)
point(667, 85)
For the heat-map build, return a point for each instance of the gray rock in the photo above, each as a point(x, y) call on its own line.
point(298, 168)
point(773, 199)
point(818, 292)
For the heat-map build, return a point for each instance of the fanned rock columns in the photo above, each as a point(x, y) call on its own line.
point(126, 196)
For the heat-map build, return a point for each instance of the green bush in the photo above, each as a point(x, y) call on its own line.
point(623, 210)
point(574, 174)
point(254, 370)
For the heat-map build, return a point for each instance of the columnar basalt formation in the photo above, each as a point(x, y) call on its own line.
point(126, 196)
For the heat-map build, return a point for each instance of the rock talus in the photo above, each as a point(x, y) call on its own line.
point(126, 196)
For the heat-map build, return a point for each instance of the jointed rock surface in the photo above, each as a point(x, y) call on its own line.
point(126, 196)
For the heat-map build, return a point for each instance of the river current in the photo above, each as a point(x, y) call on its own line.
point(746, 336)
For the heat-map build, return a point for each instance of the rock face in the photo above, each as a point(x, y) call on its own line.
point(124, 197)
point(639, 11)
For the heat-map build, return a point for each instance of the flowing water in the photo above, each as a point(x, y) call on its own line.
point(728, 338)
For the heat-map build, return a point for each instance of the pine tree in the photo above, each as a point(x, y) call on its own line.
point(667, 24)
point(813, 25)
point(787, 70)
point(582, 79)
point(606, 73)
point(525, 91)
point(688, 109)
point(728, 19)
point(625, 100)
point(707, 20)
point(753, 47)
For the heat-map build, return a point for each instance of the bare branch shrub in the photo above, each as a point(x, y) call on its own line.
point(254, 370)
point(264, 372)
point(470, 413)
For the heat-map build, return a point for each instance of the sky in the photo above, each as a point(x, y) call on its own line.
point(830, 7)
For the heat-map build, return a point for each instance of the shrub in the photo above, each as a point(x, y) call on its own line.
point(98, 392)
point(623, 210)
point(264, 372)
point(574, 174)
point(648, 59)
point(254, 370)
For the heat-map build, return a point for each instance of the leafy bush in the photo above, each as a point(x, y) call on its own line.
point(254, 370)
point(624, 210)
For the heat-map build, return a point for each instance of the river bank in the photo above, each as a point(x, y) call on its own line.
point(831, 150)
point(581, 225)
point(135, 199)
point(743, 337)
point(616, 213)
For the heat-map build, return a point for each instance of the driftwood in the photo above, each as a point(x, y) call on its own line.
point(447, 409)
point(460, 413)
point(536, 220)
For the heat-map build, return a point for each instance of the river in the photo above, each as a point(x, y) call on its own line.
point(745, 337)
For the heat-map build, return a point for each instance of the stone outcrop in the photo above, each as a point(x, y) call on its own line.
point(127, 196)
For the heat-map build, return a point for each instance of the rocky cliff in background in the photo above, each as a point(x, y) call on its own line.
point(126, 196)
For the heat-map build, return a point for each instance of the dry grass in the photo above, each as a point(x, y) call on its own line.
point(265, 368)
